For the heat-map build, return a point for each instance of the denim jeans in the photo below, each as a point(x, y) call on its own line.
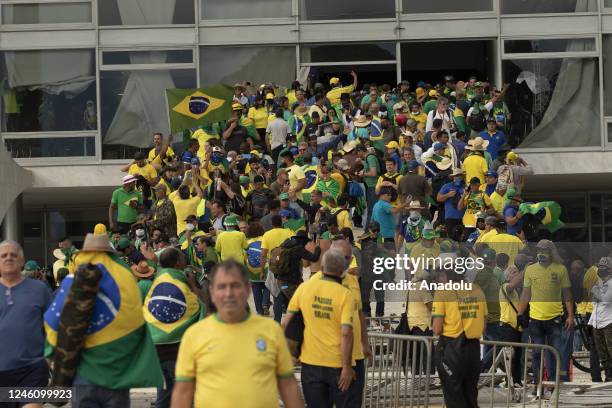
point(320, 385)
point(164, 395)
point(545, 332)
point(261, 296)
point(567, 348)
point(491, 333)
point(371, 199)
point(280, 304)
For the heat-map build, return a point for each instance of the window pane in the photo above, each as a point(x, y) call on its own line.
point(607, 3)
point(607, 74)
point(346, 9)
point(596, 209)
point(51, 147)
point(51, 90)
point(56, 13)
point(220, 9)
point(134, 107)
point(554, 102)
point(259, 64)
point(546, 6)
point(445, 6)
point(147, 57)
point(549, 45)
point(156, 12)
point(348, 52)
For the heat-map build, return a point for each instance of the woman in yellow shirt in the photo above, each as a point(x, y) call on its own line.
point(259, 115)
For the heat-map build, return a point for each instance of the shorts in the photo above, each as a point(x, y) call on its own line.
point(33, 375)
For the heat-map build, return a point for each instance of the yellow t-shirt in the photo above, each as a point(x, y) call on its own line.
point(183, 208)
point(475, 166)
point(154, 158)
point(497, 201)
point(474, 203)
point(147, 171)
point(218, 356)
point(416, 308)
point(420, 119)
point(590, 279)
point(473, 307)
point(275, 237)
point(546, 285)
point(231, 244)
point(506, 312)
point(504, 244)
point(397, 178)
point(259, 117)
point(343, 218)
point(341, 180)
point(351, 283)
point(326, 305)
point(333, 96)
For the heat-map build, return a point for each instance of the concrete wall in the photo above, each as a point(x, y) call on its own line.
point(13, 180)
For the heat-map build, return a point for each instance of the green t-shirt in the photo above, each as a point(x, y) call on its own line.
point(144, 285)
point(430, 105)
point(371, 162)
point(121, 199)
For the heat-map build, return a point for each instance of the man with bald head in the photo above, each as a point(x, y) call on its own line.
point(23, 301)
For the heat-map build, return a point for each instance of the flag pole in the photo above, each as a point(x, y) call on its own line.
point(168, 114)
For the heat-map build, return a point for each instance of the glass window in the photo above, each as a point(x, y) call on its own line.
point(156, 12)
point(547, 6)
point(607, 3)
point(445, 6)
point(46, 13)
point(609, 132)
point(134, 107)
point(554, 102)
point(51, 147)
point(346, 9)
point(607, 74)
point(51, 90)
point(147, 57)
point(549, 45)
point(258, 64)
point(220, 9)
point(348, 52)
point(596, 209)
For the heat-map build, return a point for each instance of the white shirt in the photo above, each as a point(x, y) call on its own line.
point(602, 304)
point(278, 129)
point(446, 120)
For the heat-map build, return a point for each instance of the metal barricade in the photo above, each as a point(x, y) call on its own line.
point(514, 395)
point(383, 324)
point(399, 375)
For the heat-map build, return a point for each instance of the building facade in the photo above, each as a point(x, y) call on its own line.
point(82, 83)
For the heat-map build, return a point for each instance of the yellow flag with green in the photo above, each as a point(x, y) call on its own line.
point(190, 108)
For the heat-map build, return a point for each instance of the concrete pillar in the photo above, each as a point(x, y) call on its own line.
point(12, 224)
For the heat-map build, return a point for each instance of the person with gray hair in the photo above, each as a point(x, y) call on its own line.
point(442, 112)
point(23, 301)
point(328, 311)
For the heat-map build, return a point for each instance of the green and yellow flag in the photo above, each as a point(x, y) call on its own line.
point(170, 307)
point(190, 108)
point(118, 351)
point(548, 212)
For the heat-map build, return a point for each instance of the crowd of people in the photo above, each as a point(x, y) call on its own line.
point(327, 178)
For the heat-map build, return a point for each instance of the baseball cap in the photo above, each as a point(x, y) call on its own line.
point(244, 180)
point(186, 158)
point(283, 196)
point(491, 173)
point(31, 266)
point(270, 96)
point(392, 145)
point(413, 164)
point(195, 161)
point(123, 243)
point(230, 221)
point(334, 80)
point(474, 180)
point(489, 254)
point(128, 179)
point(236, 106)
point(438, 146)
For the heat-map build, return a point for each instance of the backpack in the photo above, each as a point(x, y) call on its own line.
point(477, 119)
point(354, 190)
point(253, 254)
point(280, 259)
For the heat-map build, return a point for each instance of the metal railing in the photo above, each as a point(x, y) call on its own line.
point(402, 373)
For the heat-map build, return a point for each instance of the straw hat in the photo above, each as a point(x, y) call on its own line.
point(457, 172)
point(415, 205)
point(477, 144)
point(143, 270)
point(59, 254)
point(350, 146)
point(343, 165)
point(443, 163)
point(401, 107)
point(96, 243)
point(301, 110)
point(362, 121)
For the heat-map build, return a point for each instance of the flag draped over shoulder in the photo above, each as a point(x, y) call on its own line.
point(170, 307)
point(190, 108)
point(118, 351)
point(548, 212)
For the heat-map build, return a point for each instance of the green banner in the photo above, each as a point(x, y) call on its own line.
point(190, 108)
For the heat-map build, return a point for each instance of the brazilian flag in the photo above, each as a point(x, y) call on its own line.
point(548, 212)
point(190, 108)
point(118, 351)
point(310, 171)
point(170, 307)
point(294, 224)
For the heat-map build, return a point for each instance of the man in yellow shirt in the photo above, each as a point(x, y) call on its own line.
point(297, 178)
point(333, 96)
point(232, 242)
point(475, 165)
point(234, 358)
point(546, 285)
point(343, 212)
point(390, 179)
point(161, 154)
point(458, 317)
point(327, 308)
point(140, 167)
point(184, 204)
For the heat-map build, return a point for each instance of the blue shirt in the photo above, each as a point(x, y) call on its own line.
point(496, 140)
point(381, 213)
point(398, 161)
point(490, 188)
point(450, 210)
point(510, 211)
point(21, 323)
point(459, 146)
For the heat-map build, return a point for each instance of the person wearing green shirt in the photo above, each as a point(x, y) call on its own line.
point(328, 187)
point(371, 171)
point(127, 202)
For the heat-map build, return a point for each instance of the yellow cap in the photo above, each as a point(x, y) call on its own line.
point(254, 153)
point(392, 145)
point(433, 93)
point(100, 229)
point(420, 92)
point(270, 96)
point(236, 106)
point(334, 80)
point(511, 156)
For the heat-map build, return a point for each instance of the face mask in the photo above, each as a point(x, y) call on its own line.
point(190, 227)
point(603, 273)
point(543, 258)
point(415, 112)
point(140, 233)
point(415, 215)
